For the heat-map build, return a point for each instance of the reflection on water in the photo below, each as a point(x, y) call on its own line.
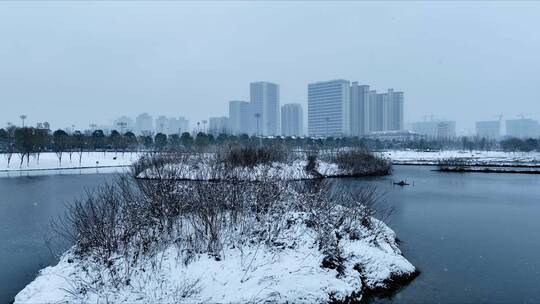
point(474, 236)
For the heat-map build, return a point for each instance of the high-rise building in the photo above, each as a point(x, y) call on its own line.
point(162, 124)
point(184, 124)
point(219, 125)
point(264, 98)
point(329, 108)
point(427, 128)
point(374, 112)
point(177, 125)
point(522, 128)
point(392, 111)
point(292, 119)
point(359, 106)
point(436, 129)
point(240, 113)
point(446, 130)
point(488, 129)
point(144, 124)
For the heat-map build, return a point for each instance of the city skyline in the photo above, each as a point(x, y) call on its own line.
point(364, 112)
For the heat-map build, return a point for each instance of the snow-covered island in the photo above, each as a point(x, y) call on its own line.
point(253, 164)
point(224, 241)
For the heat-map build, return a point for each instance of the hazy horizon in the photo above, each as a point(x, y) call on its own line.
point(76, 63)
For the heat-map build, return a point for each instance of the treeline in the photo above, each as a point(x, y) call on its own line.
point(463, 143)
point(28, 141)
point(522, 145)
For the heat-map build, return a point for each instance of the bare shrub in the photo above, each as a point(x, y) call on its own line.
point(453, 164)
point(250, 156)
point(338, 211)
point(311, 160)
point(360, 162)
point(92, 223)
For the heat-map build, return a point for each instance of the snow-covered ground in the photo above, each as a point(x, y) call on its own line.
point(105, 162)
point(252, 274)
point(475, 157)
point(48, 162)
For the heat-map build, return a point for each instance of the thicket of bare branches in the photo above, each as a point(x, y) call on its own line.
point(453, 164)
point(359, 162)
point(224, 163)
point(132, 218)
point(251, 156)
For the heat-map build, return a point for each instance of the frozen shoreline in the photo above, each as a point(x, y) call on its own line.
point(479, 158)
point(48, 163)
point(91, 163)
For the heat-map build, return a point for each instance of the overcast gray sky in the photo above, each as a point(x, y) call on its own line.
point(77, 63)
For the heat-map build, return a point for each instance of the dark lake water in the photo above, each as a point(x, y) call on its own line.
point(27, 207)
point(474, 236)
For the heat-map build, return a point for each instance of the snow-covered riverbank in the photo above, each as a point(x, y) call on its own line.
point(494, 158)
point(48, 163)
point(110, 162)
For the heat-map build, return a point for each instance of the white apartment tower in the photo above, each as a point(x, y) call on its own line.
point(392, 111)
point(264, 98)
point(374, 112)
point(162, 124)
point(329, 108)
point(359, 106)
point(177, 125)
point(488, 129)
point(240, 117)
point(292, 121)
point(218, 125)
point(144, 124)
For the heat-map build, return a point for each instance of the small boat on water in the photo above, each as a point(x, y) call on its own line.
point(401, 183)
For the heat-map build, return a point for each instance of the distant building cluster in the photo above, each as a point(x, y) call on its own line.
point(488, 129)
point(144, 123)
point(339, 108)
point(261, 115)
point(522, 128)
point(335, 108)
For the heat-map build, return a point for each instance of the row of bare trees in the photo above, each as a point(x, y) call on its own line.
point(28, 141)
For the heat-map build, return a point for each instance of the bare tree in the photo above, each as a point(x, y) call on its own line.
point(10, 143)
point(60, 143)
point(24, 143)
